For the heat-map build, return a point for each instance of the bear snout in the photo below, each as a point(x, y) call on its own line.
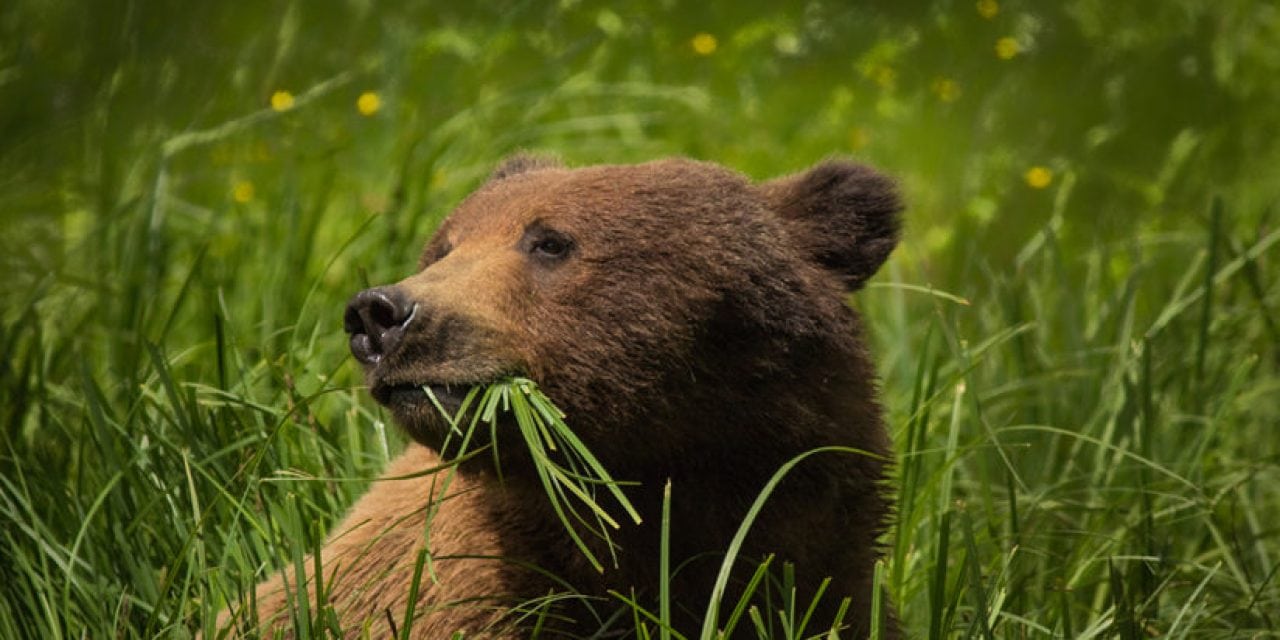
point(376, 319)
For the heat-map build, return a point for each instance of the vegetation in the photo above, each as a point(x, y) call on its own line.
point(1079, 338)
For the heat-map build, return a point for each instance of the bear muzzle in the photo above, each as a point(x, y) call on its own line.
point(409, 343)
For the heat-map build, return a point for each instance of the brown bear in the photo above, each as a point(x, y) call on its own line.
point(693, 327)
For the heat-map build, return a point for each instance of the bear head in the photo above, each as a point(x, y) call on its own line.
point(658, 304)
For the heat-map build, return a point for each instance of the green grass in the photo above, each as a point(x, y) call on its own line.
point(543, 432)
point(1081, 378)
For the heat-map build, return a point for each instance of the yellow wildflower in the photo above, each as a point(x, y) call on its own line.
point(988, 8)
point(282, 101)
point(704, 44)
point(946, 89)
point(1007, 48)
point(368, 103)
point(242, 191)
point(1038, 177)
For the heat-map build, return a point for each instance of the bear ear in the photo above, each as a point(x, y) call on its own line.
point(843, 215)
point(523, 162)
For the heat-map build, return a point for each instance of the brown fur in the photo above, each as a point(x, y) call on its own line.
point(694, 330)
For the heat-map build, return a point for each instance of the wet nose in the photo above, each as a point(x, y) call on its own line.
point(376, 319)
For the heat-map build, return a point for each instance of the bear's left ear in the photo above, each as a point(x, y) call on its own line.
point(843, 215)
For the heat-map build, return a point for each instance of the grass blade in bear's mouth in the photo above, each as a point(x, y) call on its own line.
point(567, 470)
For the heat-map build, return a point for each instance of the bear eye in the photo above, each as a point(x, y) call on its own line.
point(552, 247)
point(547, 244)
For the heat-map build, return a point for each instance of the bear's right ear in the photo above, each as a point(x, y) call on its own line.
point(843, 215)
point(523, 162)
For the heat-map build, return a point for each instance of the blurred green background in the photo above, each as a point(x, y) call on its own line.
point(189, 191)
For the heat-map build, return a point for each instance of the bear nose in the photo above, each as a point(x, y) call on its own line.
point(376, 319)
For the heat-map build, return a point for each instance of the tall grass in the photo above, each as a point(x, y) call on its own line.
point(1081, 377)
point(1095, 479)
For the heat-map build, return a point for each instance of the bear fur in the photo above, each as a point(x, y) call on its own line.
point(694, 328)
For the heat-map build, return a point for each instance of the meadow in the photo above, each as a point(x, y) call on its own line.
point(1079, 337)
